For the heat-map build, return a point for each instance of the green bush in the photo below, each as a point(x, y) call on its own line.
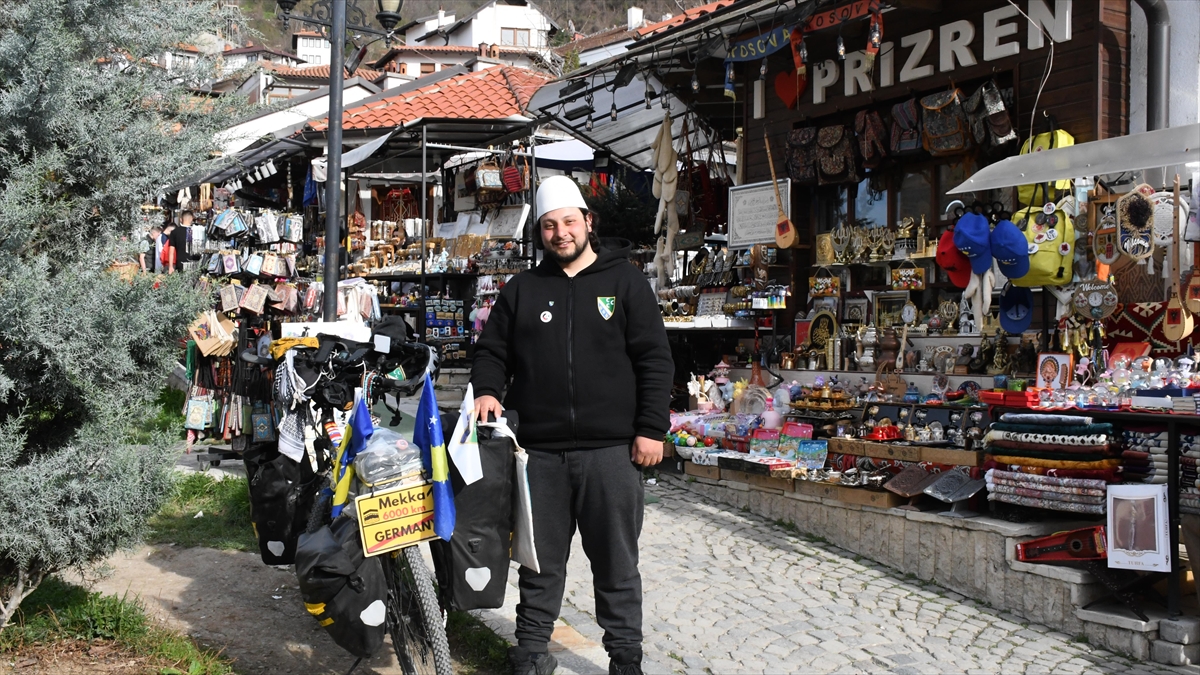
point(90, 128)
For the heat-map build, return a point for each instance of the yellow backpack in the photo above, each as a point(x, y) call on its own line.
point(1051, 237)
point(1047, 141)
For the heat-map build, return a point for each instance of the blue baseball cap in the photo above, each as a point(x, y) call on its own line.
point(972, 236)
point(1010, 249)
point(1016, 307)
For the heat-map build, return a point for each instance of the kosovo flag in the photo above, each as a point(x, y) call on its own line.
point(358, 431)
point(428, 437)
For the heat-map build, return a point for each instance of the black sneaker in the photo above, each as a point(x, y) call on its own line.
point(524, 662)
point(625, 662)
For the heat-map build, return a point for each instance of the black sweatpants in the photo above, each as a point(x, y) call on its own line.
point(600, 491)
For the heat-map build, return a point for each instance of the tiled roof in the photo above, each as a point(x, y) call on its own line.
point(680, 19)
point(608, 37)
point(320, 73)
point(492, 93)
point(260, 49)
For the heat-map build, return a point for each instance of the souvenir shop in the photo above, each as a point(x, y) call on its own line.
point(878, 340)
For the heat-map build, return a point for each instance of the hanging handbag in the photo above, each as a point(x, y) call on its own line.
point(802, 155)
point(910, 278)
point(835, 156)
point(1051, 237)
point(263, 423)
point(1055, 138)
point(872, 138)
point(945, 130)
point(1000, 129)
point(488, 176)
point(513, 177)
point(827, 286)
point(906, 129)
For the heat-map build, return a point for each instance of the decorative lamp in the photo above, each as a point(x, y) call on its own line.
point(388, 15)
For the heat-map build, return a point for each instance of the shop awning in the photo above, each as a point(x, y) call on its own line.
point(664, 64)
point(1176, 146)
point(225, 169)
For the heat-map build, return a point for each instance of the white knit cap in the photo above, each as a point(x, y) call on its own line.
point(558, 192)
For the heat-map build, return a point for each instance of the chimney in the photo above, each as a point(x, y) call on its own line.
point(483, 48)
point(667, 16)
point(635, 17)
point(441, 17)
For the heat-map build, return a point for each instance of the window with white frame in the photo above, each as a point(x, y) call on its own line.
point(514, 37)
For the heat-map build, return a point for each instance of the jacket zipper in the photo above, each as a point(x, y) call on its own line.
point(570, 352)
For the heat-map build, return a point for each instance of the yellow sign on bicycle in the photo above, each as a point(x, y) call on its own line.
point(395, 519)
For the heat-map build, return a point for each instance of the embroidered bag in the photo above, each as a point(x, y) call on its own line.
point(872, 138)
point(945, 129)
point(906, 128)
point(802, 155)
point(1000, 129)
point(835, 156)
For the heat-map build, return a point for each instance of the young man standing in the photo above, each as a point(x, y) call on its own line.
point(178, 239)
point(148, 249)
point(579, 344)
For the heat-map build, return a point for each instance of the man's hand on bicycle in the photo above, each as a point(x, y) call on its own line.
point(485, 405)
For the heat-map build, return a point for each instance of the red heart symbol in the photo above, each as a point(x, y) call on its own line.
point(789, 87)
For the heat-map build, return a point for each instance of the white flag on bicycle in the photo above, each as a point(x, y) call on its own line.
point(464, 443)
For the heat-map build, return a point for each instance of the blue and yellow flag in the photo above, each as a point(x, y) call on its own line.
point(428, 437)
point(358, 430)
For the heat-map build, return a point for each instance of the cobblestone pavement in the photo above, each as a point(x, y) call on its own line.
point(729, 592)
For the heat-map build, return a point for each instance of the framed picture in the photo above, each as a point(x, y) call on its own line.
point(1054, 370)
point(1138, 528)
point(828, 304)
point(856, 310)
point(889, 308)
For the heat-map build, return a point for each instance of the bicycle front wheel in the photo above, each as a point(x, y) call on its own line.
point(415, 619)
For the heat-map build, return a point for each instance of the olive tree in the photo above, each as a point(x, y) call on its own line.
point(91, 126)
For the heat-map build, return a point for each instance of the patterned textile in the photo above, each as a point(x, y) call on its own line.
point(1055, 451)
point(1106, 475)
point(1047, 452)
point(1046, 494)
point(1046, 481)
point(1142, 322)
point(1089, 440)
point(1051, 504)
point(1056, 463)
point(1068, 429)
point(1043, 418)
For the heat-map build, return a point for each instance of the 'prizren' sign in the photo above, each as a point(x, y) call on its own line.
point(924, 53)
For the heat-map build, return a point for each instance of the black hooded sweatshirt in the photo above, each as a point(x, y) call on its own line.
point(585, 358)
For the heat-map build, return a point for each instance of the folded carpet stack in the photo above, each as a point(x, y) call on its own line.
point(1144, 457)
point(1077, 495)
point(1189, 476)
point(1049, 461)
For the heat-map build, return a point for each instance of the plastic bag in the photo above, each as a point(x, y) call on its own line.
point(388, 456)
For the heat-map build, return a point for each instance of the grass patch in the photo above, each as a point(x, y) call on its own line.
point(787, 525)
point(226, 521)
point(168, 416)
point(478, 650)
point(58, 610)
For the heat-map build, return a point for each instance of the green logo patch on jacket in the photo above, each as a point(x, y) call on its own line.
point(606, 305)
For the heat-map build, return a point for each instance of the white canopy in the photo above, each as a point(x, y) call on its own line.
point(1150, 150)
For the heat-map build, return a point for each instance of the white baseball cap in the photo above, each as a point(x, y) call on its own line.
point(558, 192)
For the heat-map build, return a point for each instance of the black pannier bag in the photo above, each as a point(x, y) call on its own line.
point(472, 568)
point(345, 591)
point(281, 494)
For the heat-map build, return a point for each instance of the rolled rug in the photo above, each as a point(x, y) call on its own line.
point(1049, 504)
point(1044, 418)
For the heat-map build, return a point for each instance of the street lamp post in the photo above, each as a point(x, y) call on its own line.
point(388, 15)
